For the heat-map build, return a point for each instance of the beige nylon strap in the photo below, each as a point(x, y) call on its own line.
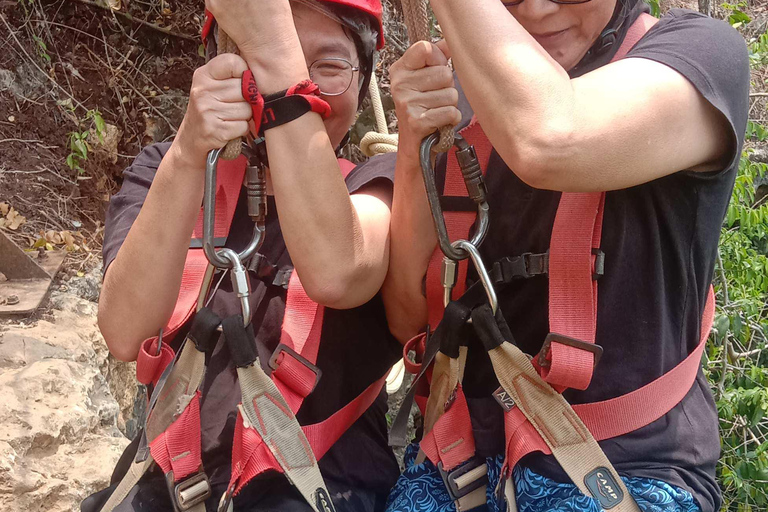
point(129, 481)
point(267, 411)
point(570, 441)
point(447, 373)
point(177, 391)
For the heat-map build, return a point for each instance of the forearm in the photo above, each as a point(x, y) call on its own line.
point(320, 225)
point(521, 96)
point(412, 242)
point(142, 283)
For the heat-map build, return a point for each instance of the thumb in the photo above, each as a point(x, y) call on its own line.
point(443, 45)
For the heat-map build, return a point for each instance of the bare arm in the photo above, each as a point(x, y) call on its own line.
point(422, 87)
point(142, 284)
point(624, 124)
point(338, 244)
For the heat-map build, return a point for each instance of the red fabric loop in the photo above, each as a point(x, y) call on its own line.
point(417, 344)
point(149, 364)
point(252, 95)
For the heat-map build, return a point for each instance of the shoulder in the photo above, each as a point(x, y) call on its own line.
point(380, 168)
point(147, 161)
point(696, 39)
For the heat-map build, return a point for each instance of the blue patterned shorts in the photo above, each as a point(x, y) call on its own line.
point(420, 489)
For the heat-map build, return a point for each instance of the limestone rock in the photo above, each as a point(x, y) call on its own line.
point(59, 435)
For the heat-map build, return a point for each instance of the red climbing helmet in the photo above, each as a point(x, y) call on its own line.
point(370, 7)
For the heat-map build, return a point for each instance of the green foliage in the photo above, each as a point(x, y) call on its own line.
point(78, 140)
point(735, 361)
point(655, 8)
point(758, 50)
point(737, 16)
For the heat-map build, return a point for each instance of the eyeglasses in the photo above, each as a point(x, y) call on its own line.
point(512, 3)
point(332, 75)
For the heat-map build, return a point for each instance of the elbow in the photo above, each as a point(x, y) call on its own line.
point(541, 158)
point(343, 290)
point(118, 341)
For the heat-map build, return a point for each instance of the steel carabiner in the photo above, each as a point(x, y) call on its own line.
point(473, 179)
point(209, 214)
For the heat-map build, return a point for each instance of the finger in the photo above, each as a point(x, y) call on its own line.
point(448, 97)
point(231, 130)
point(226, 65)
point(423, 54)
point(429, 79)
point(227, 91)
point(436, 118)
point(234, 111)
point(443, 46)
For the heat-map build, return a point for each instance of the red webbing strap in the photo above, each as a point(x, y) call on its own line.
point(322, 436)
point(178, 448)
point(301, 333)
point(457, 223)
point(451, 441)
point(251, 456)
point(623, 414)
point(229, 180)
point(572, 289)
point(302, 328)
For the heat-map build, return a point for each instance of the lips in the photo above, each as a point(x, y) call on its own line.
point(547, 38)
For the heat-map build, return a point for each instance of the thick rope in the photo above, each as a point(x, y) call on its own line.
point(226, 45)
point(380, 141)
point(418, 25)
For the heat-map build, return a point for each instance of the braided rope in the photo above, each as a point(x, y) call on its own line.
point(380, 141)
point(418, 24)
point(226, 45)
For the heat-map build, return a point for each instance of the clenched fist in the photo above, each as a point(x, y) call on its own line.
point(424, 93)
point(217, 111)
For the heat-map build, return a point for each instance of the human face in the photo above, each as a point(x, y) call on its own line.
point(321, 37)
point(566, 32)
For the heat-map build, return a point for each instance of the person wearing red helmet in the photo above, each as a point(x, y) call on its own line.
point(333, 230)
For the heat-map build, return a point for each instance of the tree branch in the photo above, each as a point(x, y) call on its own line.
point(130, 17)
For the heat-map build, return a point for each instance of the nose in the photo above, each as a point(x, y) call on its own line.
point(534, 11)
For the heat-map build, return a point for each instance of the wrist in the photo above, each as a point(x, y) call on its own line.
point(277, 67)
point(183, 167)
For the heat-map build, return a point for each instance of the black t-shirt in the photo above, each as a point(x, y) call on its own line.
point(660, 241)
point(356, 347)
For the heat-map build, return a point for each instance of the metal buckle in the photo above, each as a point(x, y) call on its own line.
point(599, 267)
point(282, 348)
point(189, 492)
point(464, 479)
point(594, 348)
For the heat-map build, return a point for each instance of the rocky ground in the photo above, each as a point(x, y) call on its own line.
point(66, 408)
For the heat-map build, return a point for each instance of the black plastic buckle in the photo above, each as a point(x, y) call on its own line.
point(189, 492)
point(459, 487)
point(594, 348)
point(282, 348)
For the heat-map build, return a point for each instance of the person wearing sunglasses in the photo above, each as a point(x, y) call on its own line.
point(333, 230)
point(660, 132)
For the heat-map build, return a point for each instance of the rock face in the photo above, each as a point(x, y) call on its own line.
point(60, 425)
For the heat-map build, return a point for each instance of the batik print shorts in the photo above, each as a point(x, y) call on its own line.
point(420, 489)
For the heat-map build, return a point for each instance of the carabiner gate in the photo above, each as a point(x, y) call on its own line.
point(473, 179)
point(209, 210)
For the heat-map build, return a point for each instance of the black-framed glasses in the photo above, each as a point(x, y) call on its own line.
point(512, 3)
point(332, 75)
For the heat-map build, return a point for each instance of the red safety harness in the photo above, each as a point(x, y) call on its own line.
point(569, 353)
point(178, 450)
